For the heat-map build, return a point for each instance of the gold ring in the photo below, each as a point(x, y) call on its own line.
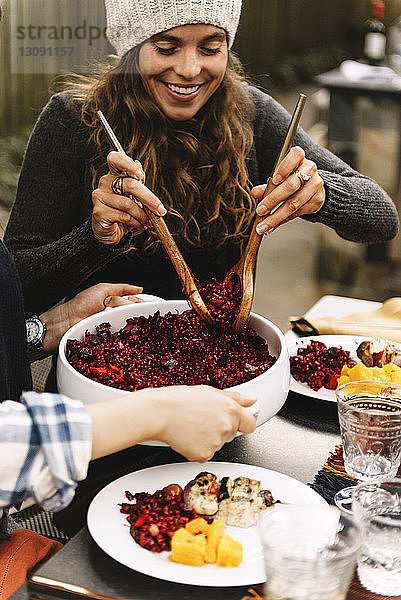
point(117, 185)
point(303, 178)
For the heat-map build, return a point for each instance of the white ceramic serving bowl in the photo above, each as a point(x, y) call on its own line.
point(270, 388)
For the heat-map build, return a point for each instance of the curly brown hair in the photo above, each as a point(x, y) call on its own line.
point(197, 168)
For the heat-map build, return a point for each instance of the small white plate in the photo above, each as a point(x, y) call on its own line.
point(110, 530)
point(346, 342)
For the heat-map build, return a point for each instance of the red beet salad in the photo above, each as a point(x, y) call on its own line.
point(319, 365)
point(174, 349)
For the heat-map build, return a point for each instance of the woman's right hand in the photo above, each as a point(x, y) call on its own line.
point(197, 421)
point(115, 215)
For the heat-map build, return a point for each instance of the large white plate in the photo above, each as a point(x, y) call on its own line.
point(347, 342)
point(110, 529)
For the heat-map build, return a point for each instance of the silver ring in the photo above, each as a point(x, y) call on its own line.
point(303, 178)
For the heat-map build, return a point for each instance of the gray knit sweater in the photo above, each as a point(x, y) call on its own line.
point(50, 235)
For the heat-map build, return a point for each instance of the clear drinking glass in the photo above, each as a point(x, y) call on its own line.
point(370, 422)
point(379, 560)
point(309, 552)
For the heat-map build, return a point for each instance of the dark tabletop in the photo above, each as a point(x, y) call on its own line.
point(100, 573)
point(272, 446)
point(82, 563)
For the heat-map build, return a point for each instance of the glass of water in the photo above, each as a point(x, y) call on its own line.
point(379, 561)
point(370, 422)
point(309, 552)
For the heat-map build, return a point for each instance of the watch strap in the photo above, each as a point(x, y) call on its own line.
point(35, 346)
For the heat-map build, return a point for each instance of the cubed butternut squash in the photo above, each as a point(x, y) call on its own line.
point(360, 372)
point(197, 526)
point(188, 549)
point(214, 534)
point(229, 552)
point(199, 543)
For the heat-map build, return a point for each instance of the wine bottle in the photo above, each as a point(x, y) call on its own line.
point(375, 35)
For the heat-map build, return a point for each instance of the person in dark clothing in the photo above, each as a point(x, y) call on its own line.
point(207, 142)
point(15, 374)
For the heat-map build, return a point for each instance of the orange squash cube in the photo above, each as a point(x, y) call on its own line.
point(214, 534)
point(229, 552)
point(197, 526)
point(188, 549)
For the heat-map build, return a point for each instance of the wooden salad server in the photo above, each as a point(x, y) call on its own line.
point(188, 283)
point(242, 273)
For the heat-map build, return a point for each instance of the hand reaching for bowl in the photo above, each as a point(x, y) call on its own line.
point(117, 201)
point(88, 302)
point(299, 191)
point(195, 421)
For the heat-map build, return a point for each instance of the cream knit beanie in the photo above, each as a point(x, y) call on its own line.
point(131, 22)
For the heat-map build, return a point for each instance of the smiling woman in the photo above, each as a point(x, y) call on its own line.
point(183, 68)
point(178, 102)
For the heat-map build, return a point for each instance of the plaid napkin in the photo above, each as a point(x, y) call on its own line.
point(20, 555)
point(384, 322)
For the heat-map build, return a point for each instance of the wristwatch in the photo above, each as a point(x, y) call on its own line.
point(35, 334)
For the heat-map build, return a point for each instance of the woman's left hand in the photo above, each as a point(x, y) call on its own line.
point(92, 300)
point(299, 190)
